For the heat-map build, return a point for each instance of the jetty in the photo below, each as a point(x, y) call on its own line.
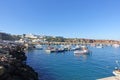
point(110, 78)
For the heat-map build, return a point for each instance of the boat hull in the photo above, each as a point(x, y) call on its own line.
point(81, 52)
point(116, 72)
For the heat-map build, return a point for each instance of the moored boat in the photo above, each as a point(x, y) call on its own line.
point(82, 50)
point(38, 47)
point(116, 72)
point(99, 46)
point(51, 49)
point(116, 45)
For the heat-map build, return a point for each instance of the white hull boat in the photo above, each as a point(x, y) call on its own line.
point(116, 45)
point(38, 47)
point(116, 72)
point(82, 50)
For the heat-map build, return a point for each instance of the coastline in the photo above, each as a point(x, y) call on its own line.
point(13, 63)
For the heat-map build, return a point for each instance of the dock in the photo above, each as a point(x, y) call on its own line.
point(110, 78)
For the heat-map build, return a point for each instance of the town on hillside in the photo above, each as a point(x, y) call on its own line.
point(43, 39)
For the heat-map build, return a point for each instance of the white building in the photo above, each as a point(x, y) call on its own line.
point(30, 36)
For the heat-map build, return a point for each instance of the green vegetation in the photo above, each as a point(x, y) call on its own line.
point(55, 39)
point(5, 36)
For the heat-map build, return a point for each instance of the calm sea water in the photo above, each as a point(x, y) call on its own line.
point(67, 66)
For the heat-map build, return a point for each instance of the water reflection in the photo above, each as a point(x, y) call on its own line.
point(84, 56)
point(69, 66)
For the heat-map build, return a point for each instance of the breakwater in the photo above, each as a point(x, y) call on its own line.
point(13, 63)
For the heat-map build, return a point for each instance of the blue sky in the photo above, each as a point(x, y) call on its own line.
point(96, 19)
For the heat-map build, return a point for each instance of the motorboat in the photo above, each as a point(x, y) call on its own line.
point(38, 47)
point(116, 72)
point(77, 47)
point(67, 47)
point(51, 49)
point(116, 45)
point(82, 50)
point(99, 46)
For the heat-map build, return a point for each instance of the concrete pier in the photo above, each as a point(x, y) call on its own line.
point(110, 78)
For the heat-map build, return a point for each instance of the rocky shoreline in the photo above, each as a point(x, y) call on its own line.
point(13, 63)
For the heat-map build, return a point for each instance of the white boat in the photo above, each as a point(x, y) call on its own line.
point(93, 45)
point(77, 47)
point(82, 50)
point(99, 46)
point(116, 72)
point(51, 49)
point(38, 46)
point(67, 47)
point(116, 45)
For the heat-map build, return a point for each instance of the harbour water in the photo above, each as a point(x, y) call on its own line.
point(67, 66)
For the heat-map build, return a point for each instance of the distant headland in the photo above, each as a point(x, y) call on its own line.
point(44, 39)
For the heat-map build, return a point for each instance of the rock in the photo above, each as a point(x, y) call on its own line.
point(2, 70)
point(13, 66)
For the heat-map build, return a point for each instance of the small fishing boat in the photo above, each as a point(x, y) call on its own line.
point(116, 45)
point(99, 46)
point(77, 47)
point(67, 47)
point(51, 49)
point(116, 72)
point(39, 47)
point(82, 50)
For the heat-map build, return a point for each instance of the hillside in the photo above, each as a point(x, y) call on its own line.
point(5, 36)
